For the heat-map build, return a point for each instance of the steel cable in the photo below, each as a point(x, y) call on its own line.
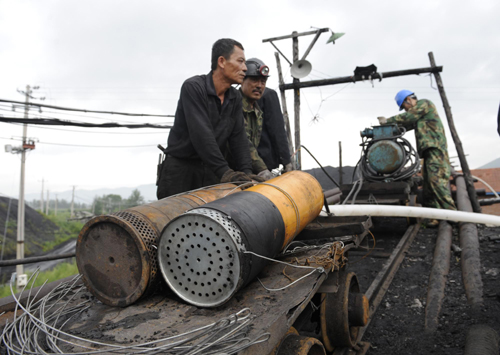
point(39, 329)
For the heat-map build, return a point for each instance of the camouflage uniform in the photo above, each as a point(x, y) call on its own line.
point(253, 126)
point(431, 145)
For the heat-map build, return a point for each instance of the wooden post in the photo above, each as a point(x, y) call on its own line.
point(283, 105)
point(340, 164)
point(296, 101)
point(458, 143)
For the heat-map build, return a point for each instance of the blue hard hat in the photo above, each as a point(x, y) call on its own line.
point(401, 96)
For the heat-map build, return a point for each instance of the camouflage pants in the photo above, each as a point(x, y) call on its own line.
point(436, 175)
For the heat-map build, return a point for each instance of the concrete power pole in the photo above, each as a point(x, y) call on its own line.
point(22, 278)
point(73, 202)
point(47, 204)
point(41, 199)
point(28, 144)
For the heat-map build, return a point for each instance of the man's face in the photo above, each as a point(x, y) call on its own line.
point(234, 68)
point(253, 87)
point(408, 103)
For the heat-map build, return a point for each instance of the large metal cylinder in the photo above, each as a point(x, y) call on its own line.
point(205, 255)
point(385, 156)
point(117, 253)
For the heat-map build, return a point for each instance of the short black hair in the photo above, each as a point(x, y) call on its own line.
point(223, 47)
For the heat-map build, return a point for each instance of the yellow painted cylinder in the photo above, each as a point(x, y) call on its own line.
point(297, 195)
point(117, 253)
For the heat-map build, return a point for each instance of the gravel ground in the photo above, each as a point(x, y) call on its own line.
point(398, 325)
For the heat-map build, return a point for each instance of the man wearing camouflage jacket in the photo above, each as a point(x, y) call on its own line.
point(422, 116)
point(252, 90)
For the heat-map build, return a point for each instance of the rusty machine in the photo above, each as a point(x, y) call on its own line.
point(387, 169)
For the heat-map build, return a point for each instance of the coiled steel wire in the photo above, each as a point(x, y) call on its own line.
point(39, 329)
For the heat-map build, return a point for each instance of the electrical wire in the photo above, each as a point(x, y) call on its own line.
point(93, 132)
point(403, 172)
point(85, 146)
point(321, 166)
point(82, 110)
point(45, 112)
point(58, 122)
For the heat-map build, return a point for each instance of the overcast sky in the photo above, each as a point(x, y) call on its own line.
point(133, 57)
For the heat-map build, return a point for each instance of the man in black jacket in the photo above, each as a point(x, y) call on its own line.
point(498, 127)
point(273, 147)
point(209, 117)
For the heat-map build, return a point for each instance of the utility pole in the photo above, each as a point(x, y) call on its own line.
point(296, 82)
point(28, 144)
point(72, 202)
point(47, 205)
point(22, 279)
point(55, 207)
point(341, 177)
point(296, 101)
point(41, 198)
point(469, 182)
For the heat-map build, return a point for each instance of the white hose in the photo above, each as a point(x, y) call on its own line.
point(417, 212)
point(487, 185)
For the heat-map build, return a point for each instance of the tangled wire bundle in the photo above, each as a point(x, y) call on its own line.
point(38, 330)
point(409, 167)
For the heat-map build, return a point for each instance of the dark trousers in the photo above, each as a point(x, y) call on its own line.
point(181, 175)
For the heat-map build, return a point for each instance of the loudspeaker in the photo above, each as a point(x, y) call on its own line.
point(300, 69)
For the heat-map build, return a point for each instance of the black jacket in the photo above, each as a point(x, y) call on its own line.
point(203, 127)
point(273, 146)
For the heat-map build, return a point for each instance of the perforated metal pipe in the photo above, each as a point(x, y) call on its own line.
point(117, 253)
point(203, 253)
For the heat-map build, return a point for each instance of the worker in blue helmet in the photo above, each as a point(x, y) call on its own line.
point(421, 115)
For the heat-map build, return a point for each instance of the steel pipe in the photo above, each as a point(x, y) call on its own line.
point(35, 259)
point(207, 254)
point(117, 253)
point(332, 192)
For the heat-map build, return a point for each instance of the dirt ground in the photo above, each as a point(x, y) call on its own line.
point(398, 325)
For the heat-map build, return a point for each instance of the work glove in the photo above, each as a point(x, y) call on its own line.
point(382, 120)
point(234, 176)
point(288, 167)
point(265, 174)
point(256, 178)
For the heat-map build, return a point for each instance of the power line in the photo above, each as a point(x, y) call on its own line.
point(81, 110)
point(88, 146)
point(58, 122)
point(62, 113)
point(93, 132)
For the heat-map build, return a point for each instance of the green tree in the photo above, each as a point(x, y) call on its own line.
point(135, 199)
point(108, 204)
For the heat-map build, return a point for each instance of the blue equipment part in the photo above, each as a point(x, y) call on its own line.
point(381, 132)
point(385, 156)
point(401, 96)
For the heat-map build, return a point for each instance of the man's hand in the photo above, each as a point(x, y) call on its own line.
point(234, 176)
point(256, 178)
point(266, 175)
point(382, 120)
point(288, 167)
